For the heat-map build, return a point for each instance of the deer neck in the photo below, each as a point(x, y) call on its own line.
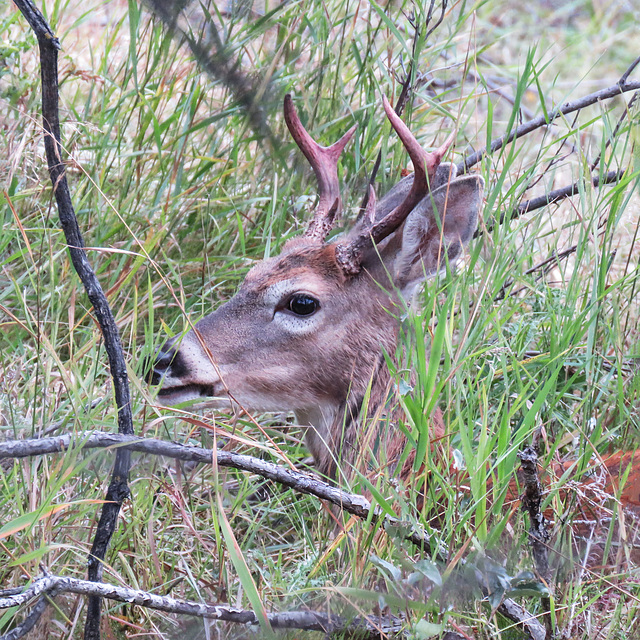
point(335, 430)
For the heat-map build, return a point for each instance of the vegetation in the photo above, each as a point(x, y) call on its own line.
point(178, 192)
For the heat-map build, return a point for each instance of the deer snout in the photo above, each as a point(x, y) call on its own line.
point(183, 372)
point(162, 363)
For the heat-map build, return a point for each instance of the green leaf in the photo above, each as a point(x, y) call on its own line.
point(246, 579)
point(424, 629)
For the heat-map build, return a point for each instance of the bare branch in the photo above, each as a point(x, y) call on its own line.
point(618, 126)
point(527, 622)
point(118, 489)
point(531, 503)
point(527, 127)
point(30, 621)
point(305, 483)
point(406, 86)
point(630, 69)
point(370, 627)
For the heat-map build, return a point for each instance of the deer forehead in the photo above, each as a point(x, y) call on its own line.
point(301, 267)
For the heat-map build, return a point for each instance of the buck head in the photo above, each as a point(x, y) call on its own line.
point(307, 330)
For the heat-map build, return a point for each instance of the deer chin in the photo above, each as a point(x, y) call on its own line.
point(205, 393)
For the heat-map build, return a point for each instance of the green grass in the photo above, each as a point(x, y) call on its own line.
point(177, 196)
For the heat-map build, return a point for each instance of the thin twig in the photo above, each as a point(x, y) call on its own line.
point(622, 86)
point(370, 627)
point(544, 267)
point(406, 86)
point(538, 533)
point(118, 489)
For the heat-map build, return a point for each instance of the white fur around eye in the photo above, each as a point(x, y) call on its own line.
point(297, 325)
point(277, 295)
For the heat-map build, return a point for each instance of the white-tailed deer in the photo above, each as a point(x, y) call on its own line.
point(307, 330)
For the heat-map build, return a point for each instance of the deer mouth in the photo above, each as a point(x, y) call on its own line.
point(189, 392)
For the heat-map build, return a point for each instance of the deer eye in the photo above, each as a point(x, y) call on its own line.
point(302, 304)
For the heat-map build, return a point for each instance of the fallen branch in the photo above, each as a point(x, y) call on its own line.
point(370, 627)
point(525, 620)
point(118, 489)
point(531, 503)
point(626, 113)
point(612, 177)
point(305, 483)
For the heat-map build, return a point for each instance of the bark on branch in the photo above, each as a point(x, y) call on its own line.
point(370, 627)
point(538, 534)
point(118, 489)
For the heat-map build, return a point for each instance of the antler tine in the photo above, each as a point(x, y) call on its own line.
point(370, 210)
point(425, 165)
point(324, 162)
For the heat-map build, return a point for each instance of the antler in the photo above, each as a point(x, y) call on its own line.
point(349, 256)
point(324, 162)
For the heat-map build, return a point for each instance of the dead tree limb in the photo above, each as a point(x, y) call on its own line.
point(531, 503)
point(611, 177)
point(625, 114)
point(622, 86)
point(363, 628)
point(118, 489)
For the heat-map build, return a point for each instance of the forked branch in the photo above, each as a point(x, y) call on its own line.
point(369, 627)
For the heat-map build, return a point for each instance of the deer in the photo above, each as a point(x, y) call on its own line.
point(308, 330)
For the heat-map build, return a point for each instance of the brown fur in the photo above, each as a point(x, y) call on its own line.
point(255, 350)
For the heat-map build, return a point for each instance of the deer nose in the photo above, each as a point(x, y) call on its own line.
point(165, 356)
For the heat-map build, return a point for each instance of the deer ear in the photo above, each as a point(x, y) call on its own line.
point(437, 230)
